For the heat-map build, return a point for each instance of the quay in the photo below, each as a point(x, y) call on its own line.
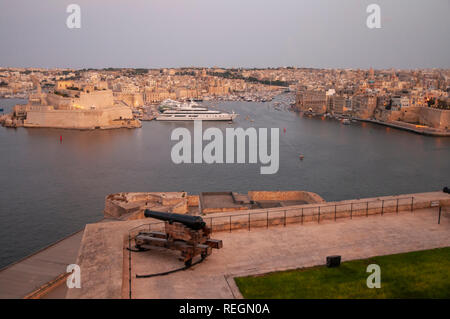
point(40, 272)
point(410, 128)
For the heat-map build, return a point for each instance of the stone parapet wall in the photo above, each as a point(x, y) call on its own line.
point(308, 197)
point(130, 206)
point(193, 200)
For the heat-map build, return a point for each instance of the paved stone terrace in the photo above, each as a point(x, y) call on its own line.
point(290, 247)
point(103, 257)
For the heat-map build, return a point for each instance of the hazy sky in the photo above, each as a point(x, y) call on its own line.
point(227, 33)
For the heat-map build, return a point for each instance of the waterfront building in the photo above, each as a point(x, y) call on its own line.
point(363, 106)
point(337, 104)
point(312, 101)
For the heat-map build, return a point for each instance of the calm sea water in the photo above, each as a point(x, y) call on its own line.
point(50, 189)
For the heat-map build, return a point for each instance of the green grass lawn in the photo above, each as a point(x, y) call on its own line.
point(420, 274)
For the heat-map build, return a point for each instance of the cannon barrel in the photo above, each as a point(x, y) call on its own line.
point(193, 222)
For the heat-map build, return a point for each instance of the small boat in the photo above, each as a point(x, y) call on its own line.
point(346, 122)
point(1, 109)
point(301, 157)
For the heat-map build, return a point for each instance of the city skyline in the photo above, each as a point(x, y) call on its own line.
point(162, 34)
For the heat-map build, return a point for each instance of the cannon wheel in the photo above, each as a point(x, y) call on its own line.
point(140, 248)
point(188, 263)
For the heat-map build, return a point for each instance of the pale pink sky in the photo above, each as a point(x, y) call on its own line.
point(228, 33)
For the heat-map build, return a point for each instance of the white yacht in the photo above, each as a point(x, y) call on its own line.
point(175, 105)
point(191, 111)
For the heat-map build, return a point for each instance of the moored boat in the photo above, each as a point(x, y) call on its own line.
point(176, 111)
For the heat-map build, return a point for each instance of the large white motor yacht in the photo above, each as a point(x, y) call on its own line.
point(176, 111)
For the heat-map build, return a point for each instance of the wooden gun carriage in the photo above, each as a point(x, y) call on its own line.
point(185, 233)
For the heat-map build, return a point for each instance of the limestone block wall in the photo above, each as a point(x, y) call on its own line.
point(173, 200)
point(99, 99)
point(419, 114)
point(59, 101)
point(128, 206)
point(285, 196)
point(435, 118)
point(131, 99)
point(193, 200)
point(113, 209)
point(409, 115)
point(180, 208)
point(77, 119)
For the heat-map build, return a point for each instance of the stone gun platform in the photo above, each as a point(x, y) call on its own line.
point(106, 270)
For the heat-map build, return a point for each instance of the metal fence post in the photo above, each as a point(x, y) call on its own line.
point(302, 215)
point(367, 209)
point(267, 226)
point(248, 221)
point(439, 218)
point(351, 210)
point(397, 206)
point(318, 218)
point(334, 212)
point(284, 218)
point(412, 203)
point(230, 223)
point(129, 263)
point(211, 225)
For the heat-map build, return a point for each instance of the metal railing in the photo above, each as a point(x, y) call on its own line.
point(290, 215)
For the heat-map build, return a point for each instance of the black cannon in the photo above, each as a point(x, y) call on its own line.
point(192, 222)
point(185, 233)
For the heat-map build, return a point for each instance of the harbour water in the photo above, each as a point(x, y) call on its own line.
point(49, 188)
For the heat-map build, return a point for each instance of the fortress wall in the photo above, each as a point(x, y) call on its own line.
point(423, 115)
point(59, 101)
point(116, 112)
point(394, 115)
point(131, 99)
point(78, 119)
point(434, 117)
point(409, 115)
point(101, 99)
